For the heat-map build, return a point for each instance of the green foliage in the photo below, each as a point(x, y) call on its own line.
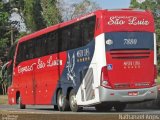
point(3, 15)
point(3, 23)
point(31, 13)
point(50, 12)
point(38, 14)
point(28, 15)
point(3, 42)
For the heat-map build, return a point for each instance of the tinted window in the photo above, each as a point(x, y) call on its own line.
point(129, 40)
point(77, 35)
point(88, 28)
point(70, 37)
point(65, 36)
point(43, 45)
point(30, 49)
point(52, 42)
point(20, 54)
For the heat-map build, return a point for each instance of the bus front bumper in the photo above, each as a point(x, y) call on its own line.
point(129, 95)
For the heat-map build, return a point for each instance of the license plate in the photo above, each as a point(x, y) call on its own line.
point(135, 93)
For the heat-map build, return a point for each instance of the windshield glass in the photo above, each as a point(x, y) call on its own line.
point(129, 41)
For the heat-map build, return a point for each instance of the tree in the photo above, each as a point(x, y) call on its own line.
point(73, 10)
point(37, 14)
point(30, 11)
point(8, 28)
point(50, 12)
point(3, 35)
point(3, 22)
point(4, 30)
point(3, 78)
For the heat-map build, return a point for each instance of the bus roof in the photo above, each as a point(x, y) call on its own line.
point(54, 27)
point(109, 13)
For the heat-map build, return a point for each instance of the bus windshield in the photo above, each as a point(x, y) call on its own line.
point(129, 41)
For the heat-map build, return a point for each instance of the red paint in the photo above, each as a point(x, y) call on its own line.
point(37, 83)
point(125, 20)
point(131, 73)
point(129, 21)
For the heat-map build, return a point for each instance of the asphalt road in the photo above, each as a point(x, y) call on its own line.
point(86, 110)
point(8, 112)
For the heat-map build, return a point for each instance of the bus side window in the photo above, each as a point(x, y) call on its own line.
point(88, 28)
point(21, 53)
point(40, 46)
point(76, 39)
point(64, 37)
point(52, 42)
point(26, 50)
point(37, 47)
point(30, 49)
point(85, 33)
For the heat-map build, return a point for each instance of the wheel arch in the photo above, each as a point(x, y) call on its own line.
point(54, 100)
point(66, 91)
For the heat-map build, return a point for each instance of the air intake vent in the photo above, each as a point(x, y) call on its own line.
point(135, 54)
point(88, 84)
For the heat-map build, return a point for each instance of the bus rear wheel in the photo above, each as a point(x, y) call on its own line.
point(62, 102)
point(120, 107)
point(73, 103)
point(19, 102)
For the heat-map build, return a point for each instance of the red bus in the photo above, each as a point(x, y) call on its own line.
point(104, 59)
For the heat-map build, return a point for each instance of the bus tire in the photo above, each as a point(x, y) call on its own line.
point(103, 107)
point(62, 102)
point(73, 103)
point(120, 107)
point(19, 102)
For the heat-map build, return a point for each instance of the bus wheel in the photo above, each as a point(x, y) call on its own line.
point(120, 107)
point(103, 108)
point(19, 102)
point(73, 103)
point(62, 102)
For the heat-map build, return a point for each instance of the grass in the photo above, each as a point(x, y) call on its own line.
point(3, 99)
